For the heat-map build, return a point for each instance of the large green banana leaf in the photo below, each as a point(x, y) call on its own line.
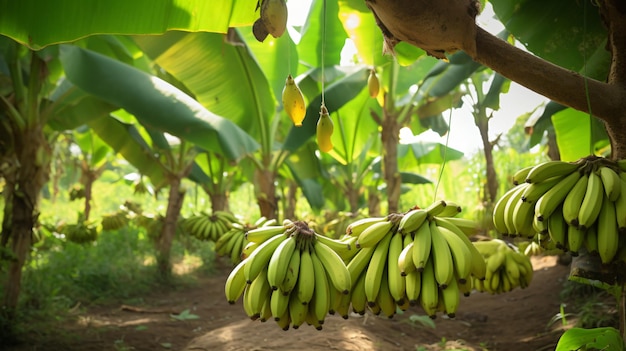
point(223, 76)
point(126, 140)
point(323, 36)
point(307, 172)
point(567, 33)
point(358, 21)
point(578, 139)
point(36, 23)
point(154, 102)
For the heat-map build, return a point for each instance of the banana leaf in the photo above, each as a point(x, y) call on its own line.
point(154, 102)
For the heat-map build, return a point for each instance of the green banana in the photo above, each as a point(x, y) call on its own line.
point(333, 264)
point(357, 227)
point(357, 295)
point(373, 234)
point(412, 220)
point(413, 286)
point(422, 242)
point(374, 272)
point(520, 175)
point(555, 196)
point(574, 199)
point(405, 260)
point(607, 232)
point(509, 208)
point(261, 234)
point(260, 257)
point(397, 285)
point(575, 239)
point(435, 208)
point(499, 210)
point(550, 169)
point(429, 292)
point(279, 262)
point(291, 277)
point(359, 262)
point(461, 255)
point(450, 210)
point(523, 214)
point(321, 293)
point(535, 190)
point(235, 283)
point(592, 202)
point(620, 205)
point(441, 257)
point(557, 229)
point(384, 299)
point(279, 303)
point(450, 297)
point(611, 182)
point(305, 285)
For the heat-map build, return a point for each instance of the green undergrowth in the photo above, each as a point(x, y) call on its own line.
point(62, 278)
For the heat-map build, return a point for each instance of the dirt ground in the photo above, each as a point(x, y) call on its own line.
point(516, 321)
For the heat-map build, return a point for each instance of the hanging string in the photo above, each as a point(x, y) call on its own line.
point(323, 47)
point(445, 154)
point(585, 80)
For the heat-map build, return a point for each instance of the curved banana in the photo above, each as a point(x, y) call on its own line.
point(333, 264)
point(552, 198)
point(467, 226)
point(359, 262)
point(451, 209)
point(509, 208)
point(557, 229)
point(375, 269)
point(574, 199)
point(261, 234)
point(235, 283)
point(611, 182)
point(451, 297)
point(260, 257)
point(535, 190)
point(412, 220)
point(550, 169)
point(357, 227)
point(413, 282)
point(374, 234)
point(499, 210)
point(357, 295)
point(397, 285)
point(520, 175)
point(441, 257)
point(422, 243)
point(522, 217)
point(405, 260)
point(461, 255)
point(477, 266)
point(592, 202)
point(305, 285)
point(279, 303)
point(279, 262)
point(591, 239)
point(429, 292)
point(435, 208)
point(620, 205)
point(257, 292)
point(321, 294)
point(291, 277)
point(384, 299)
point(297, 311)
point(575, 239)
point(607, 232)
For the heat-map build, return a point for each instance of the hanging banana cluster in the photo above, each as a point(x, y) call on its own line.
point(423, 256)
point(114, 221)
point(506, 268)
point(571, 205)
point(290, 273)
point(232, 242)
point(273, 19)
point(209, 227)
point(82, 232)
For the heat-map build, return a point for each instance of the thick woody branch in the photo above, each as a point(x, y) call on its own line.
point(554, 82)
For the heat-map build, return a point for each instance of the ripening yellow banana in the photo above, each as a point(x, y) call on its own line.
point(293, 101)
point(373, 84)
point(324, 131)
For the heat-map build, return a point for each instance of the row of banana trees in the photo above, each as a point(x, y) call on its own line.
point(204, 104)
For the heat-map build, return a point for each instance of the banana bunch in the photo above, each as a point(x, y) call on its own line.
point(114, 221)
point(290, 273)
point(232, 242)
point(209, 227)
point(570, 205)
point(506, 268)
point(82, 232)
point(273, 19)
point(423, 256)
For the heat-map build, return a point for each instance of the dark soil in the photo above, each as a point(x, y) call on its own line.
point(518, 320)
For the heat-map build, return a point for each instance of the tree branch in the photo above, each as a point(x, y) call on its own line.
point(552, 81)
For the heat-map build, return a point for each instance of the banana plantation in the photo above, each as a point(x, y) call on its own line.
point(278, 174)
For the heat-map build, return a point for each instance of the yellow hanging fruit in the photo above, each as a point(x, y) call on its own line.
point(373, 84)
point(293, 102)
point(324, 131)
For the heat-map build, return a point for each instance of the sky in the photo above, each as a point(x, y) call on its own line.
point(464, 135)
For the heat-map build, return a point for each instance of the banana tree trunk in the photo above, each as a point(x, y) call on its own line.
point(291, 201)
point(491, 187)
point(266, 193)
point(32, 155)
point(390, 137)
point(219, 201)
point(166, 237)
